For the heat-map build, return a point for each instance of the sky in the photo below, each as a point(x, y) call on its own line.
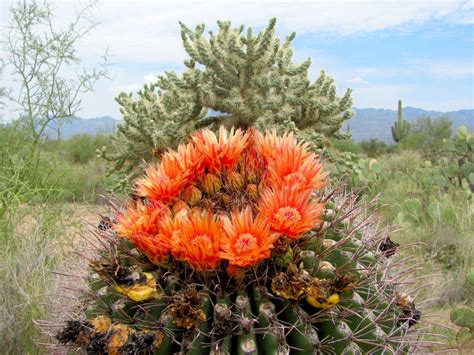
point(419, 51)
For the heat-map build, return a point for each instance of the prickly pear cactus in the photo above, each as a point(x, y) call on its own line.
point(464, 316)
point(234, 246)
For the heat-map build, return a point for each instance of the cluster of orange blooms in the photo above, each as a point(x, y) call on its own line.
point(225, 197)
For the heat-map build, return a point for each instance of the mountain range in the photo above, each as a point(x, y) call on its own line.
point(367, 123)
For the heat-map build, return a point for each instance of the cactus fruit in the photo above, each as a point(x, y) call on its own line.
point(278, 268)
point(401, 127)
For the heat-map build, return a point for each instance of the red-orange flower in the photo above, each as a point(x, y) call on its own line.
point(221, 153)
point(247, 240)
point(141, 223)
point(139, 219)
point(166, 181)
point(198, 240)
point(295, 167)
point(290, 210)
point(188, 157)
point(270, 145)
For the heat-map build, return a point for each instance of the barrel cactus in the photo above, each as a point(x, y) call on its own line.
point(233, 244)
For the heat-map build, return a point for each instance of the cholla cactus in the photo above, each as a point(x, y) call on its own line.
point(233, 248)
point(243, 79)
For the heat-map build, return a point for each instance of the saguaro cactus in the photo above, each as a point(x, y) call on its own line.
point(401, 127)
point(234, 247)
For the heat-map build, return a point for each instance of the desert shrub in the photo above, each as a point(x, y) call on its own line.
point(414, 196)
point(80, 148)
point(374, 148)
point(31, 239)
point(33, 244)
point(346, 145)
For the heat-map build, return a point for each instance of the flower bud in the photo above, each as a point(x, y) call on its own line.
point(235, 180)
point(180, 205)
point(252, 190)
point(192, 195)
point(225, 198)
point(211, 184)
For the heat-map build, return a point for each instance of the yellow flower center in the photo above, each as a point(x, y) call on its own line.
point(246, 242)
point(288, 215)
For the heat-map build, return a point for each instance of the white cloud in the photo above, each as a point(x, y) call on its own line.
point(150, 78)
point(148, 31)
point(357, 80)
point(144, 38)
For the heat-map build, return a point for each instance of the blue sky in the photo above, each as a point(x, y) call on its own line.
point(418, 51)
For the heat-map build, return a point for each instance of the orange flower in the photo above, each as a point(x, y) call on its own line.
point(139, 219)
point(198, 240)
point(188, 157)
point(221, 153)
point(296, 168)
point(141, 224)
point(270, 145)
point(247, 240)
point(290, 210)
point(165, 182)
point(156, 247)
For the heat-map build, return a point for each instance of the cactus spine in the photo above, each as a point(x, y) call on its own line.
point(401, 127)
point(284, 267)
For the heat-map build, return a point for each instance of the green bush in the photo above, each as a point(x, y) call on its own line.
point(80, 148)
point(414, 197)
point(374, 148)
point(32, 238)
point(346, 145)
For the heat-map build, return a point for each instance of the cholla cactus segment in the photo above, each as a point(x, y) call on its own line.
point(257, 261)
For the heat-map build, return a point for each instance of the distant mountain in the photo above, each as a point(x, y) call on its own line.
point(370, 123)
point(78, 125)
point(367, 123)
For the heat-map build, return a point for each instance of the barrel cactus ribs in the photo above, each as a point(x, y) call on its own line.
point(235, 246)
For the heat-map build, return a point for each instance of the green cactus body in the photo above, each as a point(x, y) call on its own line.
point(401, 127)
point(258, 321)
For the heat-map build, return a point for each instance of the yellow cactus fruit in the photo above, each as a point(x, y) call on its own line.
point(141, 292)
point(119, 336)
point(101, 324)
point(324, 303)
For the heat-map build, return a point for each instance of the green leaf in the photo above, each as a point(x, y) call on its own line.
point(462, 132)
point(463, 336)
point(449, 146)
point(452, 170)
point(427, 181)
point(467, 169)
point(442, 182)
point(412, 205)
point(463, 317)
point(434, 211)
point(471, 178)
point(470, 276)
